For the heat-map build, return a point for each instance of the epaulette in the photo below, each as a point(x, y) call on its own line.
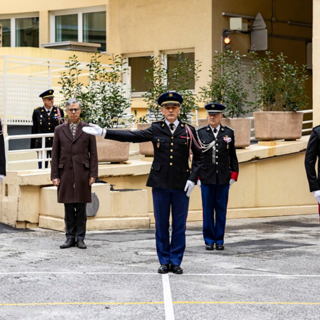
point(37, 108)
point(229, 128)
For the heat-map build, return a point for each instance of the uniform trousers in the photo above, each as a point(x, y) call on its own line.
point(170, 252)
point(75, 219)
point(214, 203)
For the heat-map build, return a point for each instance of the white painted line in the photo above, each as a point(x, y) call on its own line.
point(168, 305)
point(157, 275)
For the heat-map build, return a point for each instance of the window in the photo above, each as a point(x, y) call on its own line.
point(172, 63)
point(66, 28)
point(139, 65)
point(27, 32)
point(20, 31)
point(6, 41)
point(81, 25)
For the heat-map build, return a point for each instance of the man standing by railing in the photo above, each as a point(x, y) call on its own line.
point(45, 119)
point(2, 155)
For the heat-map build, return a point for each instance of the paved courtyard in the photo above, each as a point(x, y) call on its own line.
point(270, 269)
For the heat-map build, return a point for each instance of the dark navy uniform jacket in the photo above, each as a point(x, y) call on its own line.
point(170, 167)
point(42, 123)
point(312, 153)
point(2, 154)
point(224, 166)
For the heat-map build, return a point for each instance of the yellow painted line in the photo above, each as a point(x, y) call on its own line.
point(156, 302)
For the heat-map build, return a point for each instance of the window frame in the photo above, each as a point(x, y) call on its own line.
point(79, 12)
point(136, 55)
point(12, 19)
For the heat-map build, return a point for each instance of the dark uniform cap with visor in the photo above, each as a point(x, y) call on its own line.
point(214, 108)
point(170, 98)
point(47, 94)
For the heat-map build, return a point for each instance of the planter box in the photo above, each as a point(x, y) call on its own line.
point(241, 127)
point(145, 148)
point(277, 125)
point(242, 130)
point(112, 151)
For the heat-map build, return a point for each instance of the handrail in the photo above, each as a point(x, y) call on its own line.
point(29, 136)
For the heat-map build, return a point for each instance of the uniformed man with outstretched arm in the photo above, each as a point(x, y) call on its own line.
point(171, 178)
point(45, 119)
point(218, 171)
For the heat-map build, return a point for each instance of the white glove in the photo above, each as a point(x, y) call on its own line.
point(1, 177)
point(199, 183)
point(231, 182)
point(189, 187)
point(317, 195)
point(94, 130)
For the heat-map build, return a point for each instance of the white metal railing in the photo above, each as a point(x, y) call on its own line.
point(28, 136)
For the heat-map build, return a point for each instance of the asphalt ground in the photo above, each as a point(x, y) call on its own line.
point(268, 270)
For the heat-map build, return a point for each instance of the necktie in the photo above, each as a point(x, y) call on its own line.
point(215, 130)
point(171, 125)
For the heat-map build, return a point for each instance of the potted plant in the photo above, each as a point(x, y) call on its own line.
point(104, 100)
point(227, 86)
point(160, 81)
point(280, 90)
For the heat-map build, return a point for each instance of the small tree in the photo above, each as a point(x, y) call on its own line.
point(227, 84)
point(104, 97)
point(279, 86)
point(177, 79)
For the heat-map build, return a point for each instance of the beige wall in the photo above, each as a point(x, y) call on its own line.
point(154, 26)
point(316, 62)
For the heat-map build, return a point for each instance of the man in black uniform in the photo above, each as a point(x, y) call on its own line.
point(45, 119)
point(312, 155)
point(170, 178)
point(2, 155)
point(218, 171)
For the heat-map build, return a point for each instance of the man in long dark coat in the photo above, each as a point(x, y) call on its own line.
point(171, 178)
point(74, 169)
point(2, 155)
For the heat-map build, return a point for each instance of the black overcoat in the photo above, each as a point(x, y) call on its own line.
point(42, 123)
point(170, 168)
point(312, 154)
point(74, 161)
point(226, 162)
point(2, 153)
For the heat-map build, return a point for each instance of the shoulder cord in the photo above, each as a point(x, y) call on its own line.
point(59, 116)
point(193, 139)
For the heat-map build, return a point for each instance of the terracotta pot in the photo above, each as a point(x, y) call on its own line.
point(242, 130)
point(145, 148)
point(112, 151)
point(241, 127)
point(276, 125)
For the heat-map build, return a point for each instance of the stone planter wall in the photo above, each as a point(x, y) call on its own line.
point(277, 125)
point(145, 148)
point(241, 127)
point(112, 151)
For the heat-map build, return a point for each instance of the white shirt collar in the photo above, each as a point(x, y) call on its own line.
point(176, 123)
point(218, 128)
point(46, 110)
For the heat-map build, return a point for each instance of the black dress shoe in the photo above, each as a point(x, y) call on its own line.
point(68, 244)
point(81, 244)
point(176, 269)
point(209, 246)
point(164, 268)
point(219, 247)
